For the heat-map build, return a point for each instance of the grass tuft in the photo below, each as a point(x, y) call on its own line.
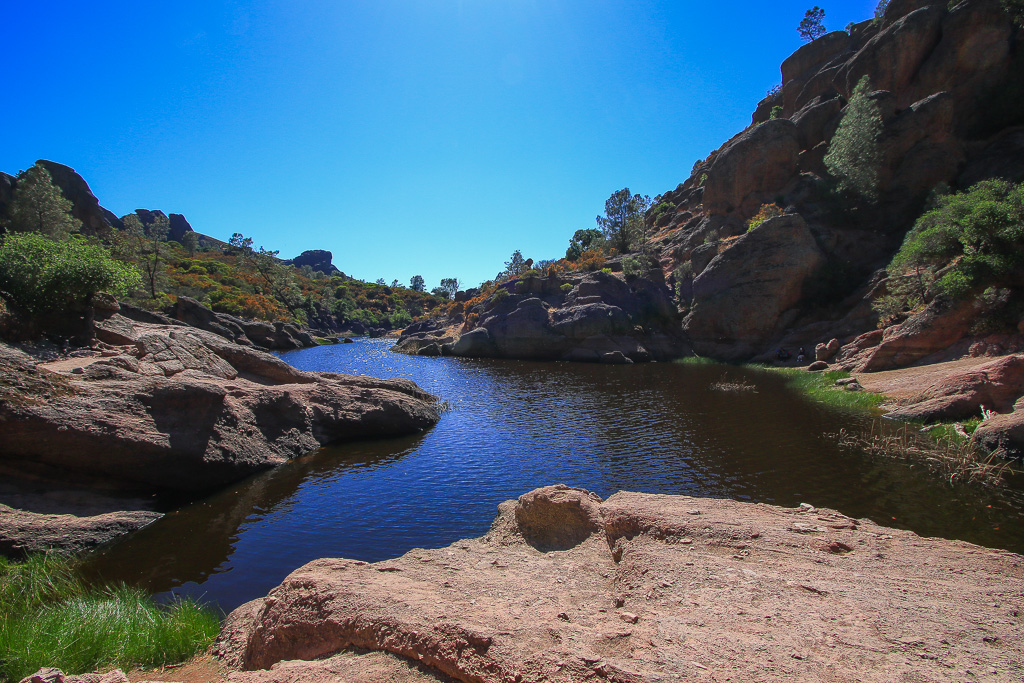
point(49, 617)
point(821, 387)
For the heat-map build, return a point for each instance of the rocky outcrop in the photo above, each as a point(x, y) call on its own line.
point(317, 259)
point(650, 587)
point(996, 386)
point(741, 299)
point(264, 335)
point(23, 533)
point(595, 317)
point(946, 78)
point(183, 409)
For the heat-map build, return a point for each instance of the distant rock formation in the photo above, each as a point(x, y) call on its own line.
point(317, 259)
point(595, 317)
point(645, 587)
point(275, 336)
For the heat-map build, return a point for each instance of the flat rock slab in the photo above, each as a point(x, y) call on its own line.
point(662, 588)
point(906, 383)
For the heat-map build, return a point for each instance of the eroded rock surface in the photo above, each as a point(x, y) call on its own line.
point(663, 587)
point(185, 409)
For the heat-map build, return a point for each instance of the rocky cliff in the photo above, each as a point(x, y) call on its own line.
point(643, 587)
point(949, 83)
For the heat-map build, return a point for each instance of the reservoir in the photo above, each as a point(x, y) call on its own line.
point(513, 426)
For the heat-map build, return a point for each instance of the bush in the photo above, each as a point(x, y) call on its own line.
point(764, 213)
point(566, 287)
point(39, 275)
point(48, 617)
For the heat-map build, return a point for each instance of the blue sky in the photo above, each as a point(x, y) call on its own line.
point(427, 137)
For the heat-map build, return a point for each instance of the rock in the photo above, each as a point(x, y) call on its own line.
point(200, 412)
point(817, 366)
point(476, 343)
point(51, 675)
point(753, 169)
point(318, 259)
point(644, 591)
point(826, 351)
point(179, 226)
point(23, 532)
point(1003, 433)
point(273, 336)
point(934, 329)
point(996, 385)
point(557, 517)
point(893, 56)
point(740, 297)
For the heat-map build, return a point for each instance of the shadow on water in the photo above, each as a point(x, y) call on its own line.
point(516, 425)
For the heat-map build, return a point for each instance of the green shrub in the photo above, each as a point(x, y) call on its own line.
point(566, 287)
point(764, 213)
point(606, 270)
point(39, 275)
point(48, 617)
point(971, 240)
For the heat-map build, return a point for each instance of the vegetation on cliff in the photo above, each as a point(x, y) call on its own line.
point(50, 617)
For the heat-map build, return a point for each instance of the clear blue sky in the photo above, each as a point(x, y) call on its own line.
point(408, 137)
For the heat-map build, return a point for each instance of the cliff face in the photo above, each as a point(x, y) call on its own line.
point(949, 84)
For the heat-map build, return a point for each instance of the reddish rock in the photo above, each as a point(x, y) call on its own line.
point(1003, 433)
point(663, 587)
point(934, 329)
point(826, 351)
point(815, 53)
point(995, 385)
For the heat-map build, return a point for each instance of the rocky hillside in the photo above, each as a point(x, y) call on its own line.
point(948, 81)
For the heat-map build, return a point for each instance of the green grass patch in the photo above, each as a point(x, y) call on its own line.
point(697, 360)
point(49, 617)
point(821, 388)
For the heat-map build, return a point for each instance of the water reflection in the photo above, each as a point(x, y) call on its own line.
point(518, 425)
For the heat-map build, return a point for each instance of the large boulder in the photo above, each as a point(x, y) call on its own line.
point(995, 386)
point(740, 297)
point(187, 410)
point(646, 587)
point(753, 168)
point(1003, 433)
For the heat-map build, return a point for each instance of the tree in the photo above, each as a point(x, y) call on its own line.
point(190, 240)
point(1015, 8)
point(449, 287)
point(382, 282)
point(623, 222)
point(854, 156)
point(417, 284)
point(515, 266)
point(39, 206)
point(240, 242)
point(39, 275)
point(812, 26)
point(583, 240)
point(146, 244)
point(276, 278)
point(880, 8)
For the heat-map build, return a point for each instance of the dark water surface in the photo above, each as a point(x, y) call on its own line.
point(518, 425)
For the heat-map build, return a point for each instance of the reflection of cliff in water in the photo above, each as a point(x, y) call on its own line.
point(196, 541)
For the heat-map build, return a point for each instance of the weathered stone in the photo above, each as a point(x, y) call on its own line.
point(826, 351)
point(740, 297)
point(996, 385)
point(753, 168)
point(815, 53)
point(643, 589)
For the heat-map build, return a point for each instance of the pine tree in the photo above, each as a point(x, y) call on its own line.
point(811, 26)
point(854, 156)
point(39, 206)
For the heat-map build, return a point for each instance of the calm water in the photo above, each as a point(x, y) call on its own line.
point(518, 425)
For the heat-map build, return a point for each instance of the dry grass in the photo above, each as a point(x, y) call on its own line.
point(957, 460)
point(740, 385)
